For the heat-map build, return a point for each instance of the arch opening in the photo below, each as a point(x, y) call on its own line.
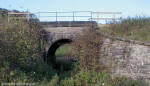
point(51, 58)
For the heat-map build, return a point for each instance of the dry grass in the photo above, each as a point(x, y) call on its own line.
point(137, 28)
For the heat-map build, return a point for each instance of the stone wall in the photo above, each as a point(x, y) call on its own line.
point(127, 58)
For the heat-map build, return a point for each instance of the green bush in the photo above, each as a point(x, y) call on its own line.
point(21, 56)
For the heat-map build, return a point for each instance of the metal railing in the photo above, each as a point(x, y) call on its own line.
point(112, 14)
point(62, 16)
point(72, 15)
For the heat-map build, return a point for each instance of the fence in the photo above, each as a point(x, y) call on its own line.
point(66, 16)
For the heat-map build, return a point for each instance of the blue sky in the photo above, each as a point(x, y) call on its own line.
point(127, 7)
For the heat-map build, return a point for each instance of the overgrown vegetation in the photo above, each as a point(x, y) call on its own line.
point(137, 28)
point(21, 59)
point(20, 55)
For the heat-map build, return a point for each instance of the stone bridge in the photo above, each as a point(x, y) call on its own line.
point(59, 33)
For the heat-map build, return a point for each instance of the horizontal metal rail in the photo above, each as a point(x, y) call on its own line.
point(106, 18)
point(66, 12)
point(20, 18)
point(23, 13)
point(65, 16)
point(107, 12)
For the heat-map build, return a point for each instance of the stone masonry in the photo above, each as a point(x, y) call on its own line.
point(127, 59)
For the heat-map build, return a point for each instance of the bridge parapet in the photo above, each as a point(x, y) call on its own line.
point(69, 24)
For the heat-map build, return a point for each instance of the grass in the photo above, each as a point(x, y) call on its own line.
point(63, 51)
point(137, 28)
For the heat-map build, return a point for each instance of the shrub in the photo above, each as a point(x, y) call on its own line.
point(86, 49)
point(21, 55)
point(87, 78)
point(123, 81)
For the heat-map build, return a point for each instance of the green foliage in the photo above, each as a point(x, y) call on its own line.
point(53, 82)
point(87, 78)
point(123, 81)
point(63, 51)
point(101, 78)
point(20, 58)
point(137, 28)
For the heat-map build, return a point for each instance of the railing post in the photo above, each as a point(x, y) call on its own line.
point(56, 16)
point(73, 16)
point(39, 15)
point(114, 16)
point(91, 16)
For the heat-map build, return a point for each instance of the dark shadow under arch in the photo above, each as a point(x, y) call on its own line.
point(51, 59)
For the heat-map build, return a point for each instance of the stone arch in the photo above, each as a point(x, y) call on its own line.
point(51, 59)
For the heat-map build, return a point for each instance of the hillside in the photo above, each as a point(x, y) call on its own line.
point(137, 28)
